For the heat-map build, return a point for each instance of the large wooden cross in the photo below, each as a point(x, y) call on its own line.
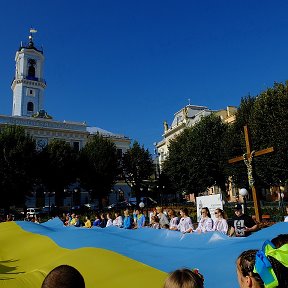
point(247, 158)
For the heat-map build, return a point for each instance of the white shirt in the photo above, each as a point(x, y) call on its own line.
point(109, 223)
point(221, 225)
point(185, 224)
point(205, 225)
point(118, 221)
point(285, 218)
point(173, 223)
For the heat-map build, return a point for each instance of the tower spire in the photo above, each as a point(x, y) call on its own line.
point(32, 31)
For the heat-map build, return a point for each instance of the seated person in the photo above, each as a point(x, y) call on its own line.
point(64, 276)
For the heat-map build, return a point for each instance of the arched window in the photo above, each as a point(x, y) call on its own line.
point(31, 67)
point(30, 107)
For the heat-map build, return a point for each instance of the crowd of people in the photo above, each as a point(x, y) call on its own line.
point(267, 267)
point(242, 225)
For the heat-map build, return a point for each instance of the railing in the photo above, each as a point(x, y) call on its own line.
point(30, 78)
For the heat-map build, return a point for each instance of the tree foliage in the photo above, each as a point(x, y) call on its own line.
point(195, 159)
point(267, 121)
point(137, 166)
point(17, 154)
point(99, 167)
point(57, 167)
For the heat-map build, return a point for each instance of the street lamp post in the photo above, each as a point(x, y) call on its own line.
point(243, 192)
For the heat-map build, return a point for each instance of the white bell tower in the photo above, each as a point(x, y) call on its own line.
point(28, 85)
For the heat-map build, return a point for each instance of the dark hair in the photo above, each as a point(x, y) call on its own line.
point(207, 210)
point(246, 265)
point(184, 278)
point(64, 276)
point(222, 213)
point(185, 211)
point(280, 240)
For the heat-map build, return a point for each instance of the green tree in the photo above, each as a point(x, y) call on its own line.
point(269, 128)
point(267, 121)
point(196, 159)
point(99, 167)
point(137, 166)
point(57, 168)
point(17, 154)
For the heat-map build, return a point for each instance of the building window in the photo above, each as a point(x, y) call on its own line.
point(30, 107)
point(31, 67)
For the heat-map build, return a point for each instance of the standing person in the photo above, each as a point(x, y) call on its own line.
point(155, 222)
point(118, 221)
point(242, 224)
point(97, 221)
point(140, 219)
point(205, 223)
point(185, 225)
point(73, 220)
point(174, 220)
point(103, 221)
point(109, 220)
point(220, 224)
point(163, 220)
point(184, 278)
point(127, 223)
point(87, 222)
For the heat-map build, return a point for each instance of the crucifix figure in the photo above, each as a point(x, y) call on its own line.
point(248, 160)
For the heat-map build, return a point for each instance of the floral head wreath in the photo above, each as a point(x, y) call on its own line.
point(263, 266)
point(196, 271)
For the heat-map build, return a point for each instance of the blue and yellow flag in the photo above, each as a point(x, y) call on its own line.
point(114, 257)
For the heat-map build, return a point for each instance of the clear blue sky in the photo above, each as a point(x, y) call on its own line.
point(126, 66)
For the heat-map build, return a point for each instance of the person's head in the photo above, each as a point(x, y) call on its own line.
point(126, 212)
point(159, 209)
point(245, 266)
point(139, 211)
point(252, 265)
point(205, 212)
point(238, 209)
point(64, 276)
point(108, 215)
point(219, 213)
point(171, 212)
point(184, 212)
point(184, 278)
